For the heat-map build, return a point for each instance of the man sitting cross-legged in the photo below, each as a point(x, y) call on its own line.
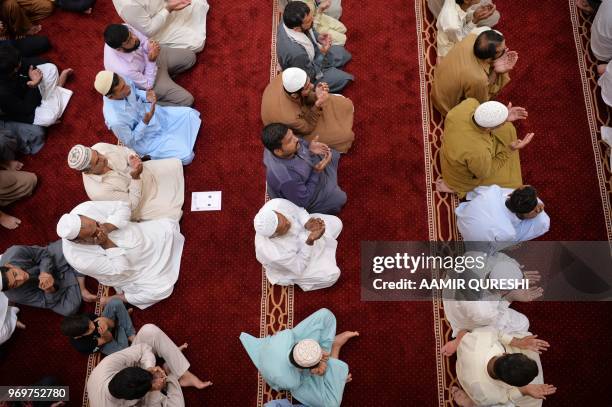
point(295, 247)
point(154, 189)
point(304, 360)
point(111, 332)
point(140, 260)
point(130, 376)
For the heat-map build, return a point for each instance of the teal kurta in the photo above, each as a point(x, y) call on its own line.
point(271, 357)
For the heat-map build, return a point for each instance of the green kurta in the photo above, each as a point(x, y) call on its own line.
point(460, 75)
point(472, 156)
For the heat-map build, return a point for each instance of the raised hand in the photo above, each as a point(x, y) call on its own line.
point(483, 12)
point(538, 391)
point(136, 165)
point(35, 75)
point(322, 93)
point(531, 343)
point(320, 166)
point(154, 50)
point(317, 147)
point(45, 281)
point(528, 295)
point(152, 98)
point(177, 5)
point(324, 5)
point(519, 144)
point(450, 348)
point(506, 62)
point(516, 113)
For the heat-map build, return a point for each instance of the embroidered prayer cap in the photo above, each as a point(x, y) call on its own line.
point(79, 157)
point(265, 222)
point(307, 353)
point(294, 79)
point(69, 226)
point(506, 269)
point(490, 114)
point(103, 82)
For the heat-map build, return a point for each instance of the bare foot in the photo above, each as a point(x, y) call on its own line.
point(8, 221)
point(64, 76)
point(349, 378)
point(88, 11)
point(20, 325)
point(104, 300)
point(461, 397)
point(441, 186)
point(35, 29)
point(88, 296)
point(601, 69)
point(188, 379)
point(183, 346)
point(341, 339)
point(584, 6)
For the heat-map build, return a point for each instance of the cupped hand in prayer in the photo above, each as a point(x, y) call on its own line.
point(528, 295)
point(450, 348)
point(322, 93)
point(516, 113)
point(154, 50)
point(136, 165)
point(317, 147)
point(177, 5)
point(325, 4)
point(151, 98)
point(45, 281)
point(533, 276)
point(506, 62)
point(483, 12)
point(531, 343)
point(35, 75)
point(519, 144)
point(320, 166)
point(102, 325)
point(314, 223)
point(326, 42)
point(538, 391)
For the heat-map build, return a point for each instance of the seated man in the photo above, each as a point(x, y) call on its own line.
point(173, 23)
point(21, 17)
point(149, 65)
point(154, 189)
point(495, 368)
point(304, 360)
point(291, 99)
point(40, 277)
point(140, 260)
point(14, 183)
point(480, 147)
point(502, 216)
point(29, 94)
point(305, 173)
point(298, 45)
point(295, 247)
point(148, 129)
point(109, 333)
point(8, 317)
point(605, 82)
point(476, 67)
point(131, 374)
point(601, 32)
point(459, 18)
point(467, 309)
point(325, 23)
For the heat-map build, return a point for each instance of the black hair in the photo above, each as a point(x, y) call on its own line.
point(10, 58)
point(522, 200)
point(113, 84)
point(515, 369)
point(460, 2)
point(115, 35)
point(294, 14)
point(131, 383)
point(273, 134)
point(3, 276)
point(486, 43)
point(75, 325)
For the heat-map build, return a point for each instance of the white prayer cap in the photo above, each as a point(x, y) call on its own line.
point(506, 270)
point(307, 353)
point(294, 79)
point(79, 157)
point(69, 226)
point(103, 82)
point(490, 114)
point(265, 222)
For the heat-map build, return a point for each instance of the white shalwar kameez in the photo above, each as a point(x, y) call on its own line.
point(289, 260)
point(54, 97)
point(8, 319)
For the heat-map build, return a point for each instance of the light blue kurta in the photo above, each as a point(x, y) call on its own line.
point(271, 357)
point(171, 133)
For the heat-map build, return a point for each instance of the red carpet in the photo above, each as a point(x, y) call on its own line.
point(218, 293)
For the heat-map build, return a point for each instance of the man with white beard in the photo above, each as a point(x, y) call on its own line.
point(140, 260)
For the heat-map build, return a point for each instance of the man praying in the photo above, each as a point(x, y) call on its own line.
point(295, 247)
point(134, 117)
point(291, 99)
point(304, 360)
point(305, 173)
point(154, 189)
point(141, 261)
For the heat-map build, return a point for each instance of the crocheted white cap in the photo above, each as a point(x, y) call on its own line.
point(307, 353)
point(294, 79)
point(69, 226)
point(490, 114)
point(265, 222)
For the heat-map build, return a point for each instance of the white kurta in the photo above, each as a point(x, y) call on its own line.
point(159, 193)
point(485, 218)
point(474, 352)
point(54, 97)
point(8, 319)
point(496, 313)
point(601, 32)
point(146, 262)
point(178, 29)
point(605, 83)
point(289, 260)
